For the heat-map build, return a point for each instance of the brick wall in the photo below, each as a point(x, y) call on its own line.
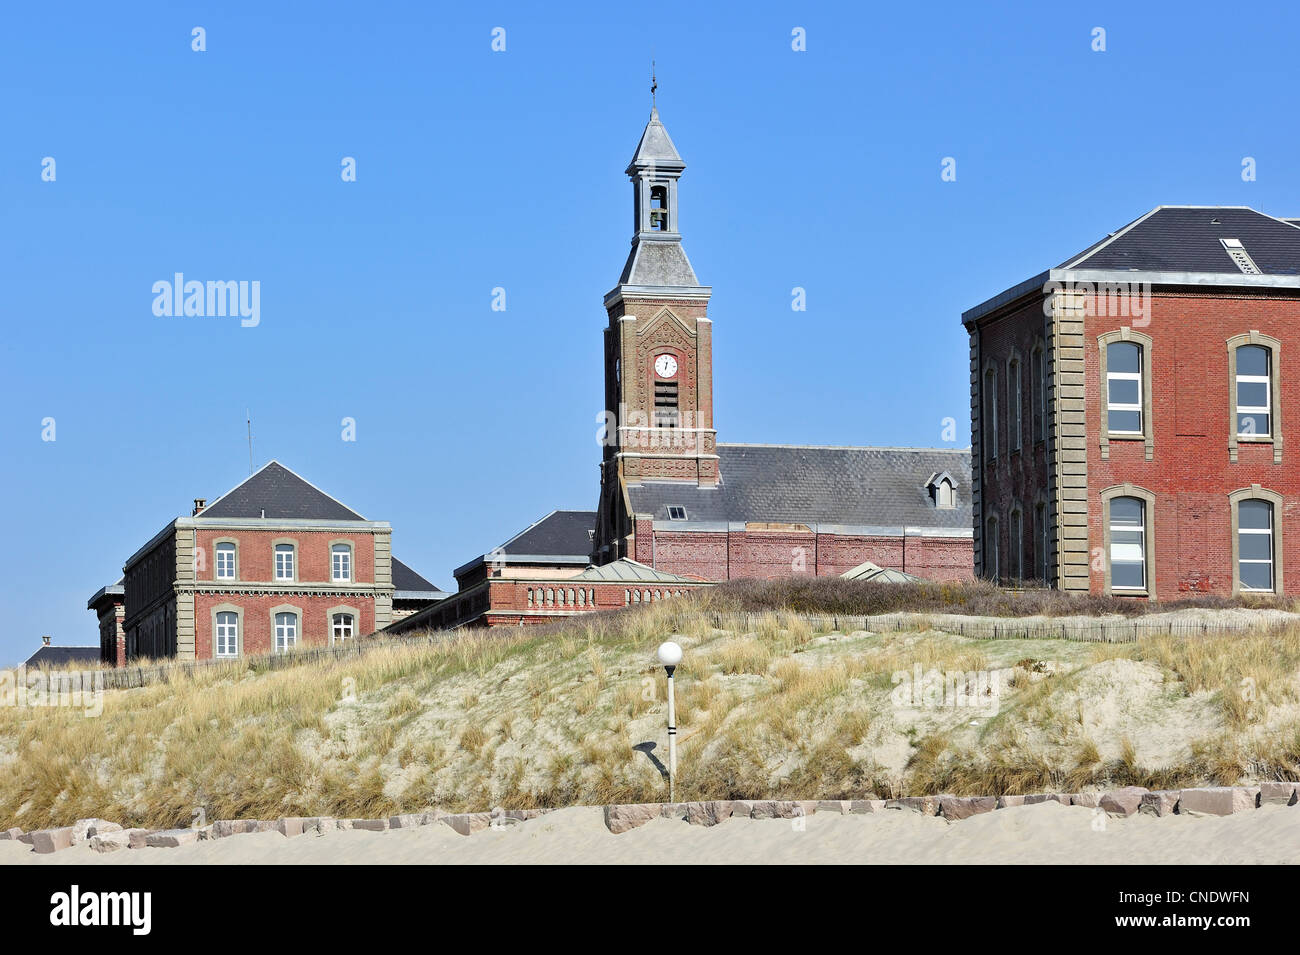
point(256, 620)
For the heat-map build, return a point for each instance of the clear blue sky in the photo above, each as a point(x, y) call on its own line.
point(478, 169)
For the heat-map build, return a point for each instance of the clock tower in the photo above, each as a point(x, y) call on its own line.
point(658, 350)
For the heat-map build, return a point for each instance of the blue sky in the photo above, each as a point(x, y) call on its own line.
point(479, 169)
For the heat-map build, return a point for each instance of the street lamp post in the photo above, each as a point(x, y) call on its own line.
point(670, 654)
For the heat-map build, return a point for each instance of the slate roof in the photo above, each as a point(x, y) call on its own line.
point(64, 656)
point(406, 580)
point(1186, 239)
point(655, 146)
point(559, 533)
point(276, 493)
point(658, 263)
point(631, 570)
point(860, 487)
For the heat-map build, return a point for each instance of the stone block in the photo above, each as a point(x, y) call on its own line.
point(963, 807)
point(1279, 793)
point(1216, 801)
point(620, 819)
point(46, 841)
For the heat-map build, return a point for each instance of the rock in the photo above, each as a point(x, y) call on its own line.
point(289, 826)
point(46, 841)
point(1123, 802)
point(15, 834)
point(620, 819)
point(841, 806)
point(808, 806)
point(84, 829)
point(708, 813)
point(170, 838)
point(1006, 802)
point(862, 806)
point(1216, 800)
point(408, 820)
point(925, 805)
point(1039, 798)
point(233, 827)
point(1162, 802)
point(963, 807)
point(671, 810)
point(370, 825)
point(111, 841)
point(1281, 794)
point(467, 823)
point(138, 838)
point(319, 824)
point(1087, 800)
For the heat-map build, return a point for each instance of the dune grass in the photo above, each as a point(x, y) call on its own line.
point(573, 712)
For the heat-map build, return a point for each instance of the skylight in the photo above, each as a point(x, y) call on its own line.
point(676, 513)
point(1240, 257)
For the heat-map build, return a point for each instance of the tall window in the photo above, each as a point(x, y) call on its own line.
point(1128, 544)
point(225, 561)
point(944, 495)
point(666, 404)
point(1039, 396)
point(1254, 391)
point(1124, 388)
point(1014, 403)
point(1040, 528)
point(227, 635)
point(1255, 545)
point(991, 550)
point(342, 629)
point(341, 562)
point(1017, 542)
point(990, 415)
point(286, 631)
point(284, 562)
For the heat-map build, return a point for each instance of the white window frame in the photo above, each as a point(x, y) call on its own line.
point(1272, 548)
point(343, 550)
point(1267, 382)
point(281, 549)
point(349, 625)
point(1126, 528)
point(222, 549)
point(285, 635)
point(226, 630)
point(1126, 376)
point(945, 495)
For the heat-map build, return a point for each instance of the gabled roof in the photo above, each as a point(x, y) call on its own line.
point(626, 569)
point(655, 147)
point(276, 493)
point(562, 533)
point(1188, 239)
point(407, 582)
point(858, 487)
point(64, 656)
point(881, 575)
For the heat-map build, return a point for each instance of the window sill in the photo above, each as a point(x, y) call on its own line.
point(1119, 592)
point(1125, 436)
point(1254, 439)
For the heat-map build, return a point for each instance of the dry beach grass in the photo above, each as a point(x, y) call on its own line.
point(566, 715)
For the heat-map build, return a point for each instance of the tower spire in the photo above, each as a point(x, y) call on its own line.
point(654, 87)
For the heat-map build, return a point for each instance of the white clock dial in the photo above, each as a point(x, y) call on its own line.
point(665, 366)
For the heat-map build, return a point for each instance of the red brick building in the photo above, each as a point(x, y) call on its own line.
point(675, 499)
point(1132, 413)
point(272, 564)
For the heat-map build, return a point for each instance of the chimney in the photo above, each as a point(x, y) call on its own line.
point(199, 504)
point(45, 641)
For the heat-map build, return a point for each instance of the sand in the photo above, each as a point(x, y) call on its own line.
point(1045, 833)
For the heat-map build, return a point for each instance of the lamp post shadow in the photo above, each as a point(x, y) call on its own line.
point(648, 748)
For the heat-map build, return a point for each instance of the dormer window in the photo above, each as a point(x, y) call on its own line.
point(658, 208)
point(943, 491)
point(676, 513)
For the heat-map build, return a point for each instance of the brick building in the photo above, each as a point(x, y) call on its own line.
point(678, 510)
point(271, 564)
point(674, 498)
point(1132, 415)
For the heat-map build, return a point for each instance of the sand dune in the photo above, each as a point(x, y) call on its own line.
point(1046, 833)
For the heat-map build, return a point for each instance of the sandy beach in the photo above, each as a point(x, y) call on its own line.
point(1046, 833)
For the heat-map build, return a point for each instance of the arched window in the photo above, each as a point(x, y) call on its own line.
point(1257, 540)
point(991, 550)
point(1014, 402)
point(341, 563)
point(284, 561)
point(286, 632)
point(990, 437)
point(342, 627)
point(1017, 545)
point(226, 561)
point(1128, 543)
point(659, 209)
point(226, 643)
point(1038, 388)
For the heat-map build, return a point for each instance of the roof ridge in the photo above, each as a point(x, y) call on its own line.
point(840, 447)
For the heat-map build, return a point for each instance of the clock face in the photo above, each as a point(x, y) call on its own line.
point(665, 366)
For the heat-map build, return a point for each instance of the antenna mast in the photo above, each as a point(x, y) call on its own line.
point(249, 415)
